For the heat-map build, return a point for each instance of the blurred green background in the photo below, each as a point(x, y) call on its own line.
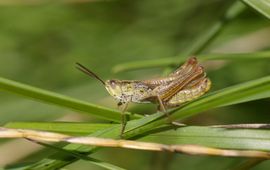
point(41, 41)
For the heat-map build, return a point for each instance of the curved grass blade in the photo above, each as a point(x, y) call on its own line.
point(234, 94)
point(60, 127)
point(61, 100)
point(93, 161)
point(242, 139)
point(261, 6)
point(175, 61)
point(248, 164)
point(206, 38)
point(42, 2)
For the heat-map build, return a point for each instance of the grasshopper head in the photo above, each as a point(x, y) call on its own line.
point(114, 87)
point(122, 90)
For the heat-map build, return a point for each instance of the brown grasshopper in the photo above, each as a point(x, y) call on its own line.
point(186, 83)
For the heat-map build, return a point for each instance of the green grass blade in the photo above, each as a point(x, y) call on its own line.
point(99, 163)
point(206, 38)
point(261, 6)
point(94, 161)
point(60, 127)
point(175, 61)
point(234, 94)
point(61, 100)
point(248, 164)
point(246, 139)
point(105, 165)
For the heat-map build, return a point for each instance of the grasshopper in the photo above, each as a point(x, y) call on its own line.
point(186, 83)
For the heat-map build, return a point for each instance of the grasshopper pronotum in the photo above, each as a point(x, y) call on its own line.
point(186, 83)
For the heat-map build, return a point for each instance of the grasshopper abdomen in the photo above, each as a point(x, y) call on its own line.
point(189, 94)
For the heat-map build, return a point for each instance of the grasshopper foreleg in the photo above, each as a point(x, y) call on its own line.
point(123, 116)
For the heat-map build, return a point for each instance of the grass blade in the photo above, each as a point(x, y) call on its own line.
point(61, 100)
point(175, 61)
point(60, 127)
point(94, 161)
point(202, 42)
point(261, 6)
point(242, 139)
point(42, 2)
point(248, 164)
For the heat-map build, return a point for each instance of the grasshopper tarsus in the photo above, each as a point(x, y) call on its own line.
point(124, 123)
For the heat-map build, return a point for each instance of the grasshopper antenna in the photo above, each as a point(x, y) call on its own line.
point(88, 72)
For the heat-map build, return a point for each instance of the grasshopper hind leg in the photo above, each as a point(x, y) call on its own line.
point(163, 108)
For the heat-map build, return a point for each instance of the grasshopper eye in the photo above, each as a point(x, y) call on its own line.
point(113, 83)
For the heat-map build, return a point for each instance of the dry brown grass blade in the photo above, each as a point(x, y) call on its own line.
point(188, 149)
point(94, 141)
point(244, 126)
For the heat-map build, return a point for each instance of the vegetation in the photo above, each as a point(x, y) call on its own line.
point(41, 41)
